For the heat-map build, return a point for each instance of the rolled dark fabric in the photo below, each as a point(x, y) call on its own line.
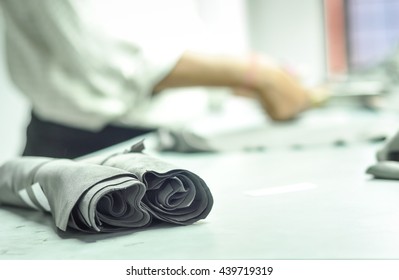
point(173, 195)
point(83, 196)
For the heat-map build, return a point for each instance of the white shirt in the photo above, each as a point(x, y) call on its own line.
point(91, 63)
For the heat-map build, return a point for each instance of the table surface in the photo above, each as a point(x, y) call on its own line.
point(309, 203)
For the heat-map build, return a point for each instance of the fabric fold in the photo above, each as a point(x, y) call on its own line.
point(173, 195)
point(83, 196)
point(106, 193)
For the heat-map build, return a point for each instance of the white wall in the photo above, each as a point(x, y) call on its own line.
point(291, 31)
point(14, 110)
point(226, 20)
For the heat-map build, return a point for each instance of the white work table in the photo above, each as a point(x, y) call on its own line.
point(345, 215)
point(311, 203)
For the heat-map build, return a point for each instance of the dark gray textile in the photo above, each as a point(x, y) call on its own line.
point(83, 196)
point(106, 193)
point(387, 166)
point(182, 141)
point(173, 194)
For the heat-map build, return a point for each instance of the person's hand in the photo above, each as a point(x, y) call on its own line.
point(279, 92)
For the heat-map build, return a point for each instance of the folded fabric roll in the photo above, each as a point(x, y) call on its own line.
point(388, 157)
point(83, 196)
point(173, 195)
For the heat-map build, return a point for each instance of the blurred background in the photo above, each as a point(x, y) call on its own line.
point(322, 39)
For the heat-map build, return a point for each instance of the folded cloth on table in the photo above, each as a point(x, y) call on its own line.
point(387, 166)
point(87, 197)
point(181, 140)
point(390, 151)
point(385, 170)
point(173, 195)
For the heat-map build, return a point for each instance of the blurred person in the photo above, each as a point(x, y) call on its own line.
point(90, 67)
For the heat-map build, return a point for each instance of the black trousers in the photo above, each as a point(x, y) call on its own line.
point(50, 139)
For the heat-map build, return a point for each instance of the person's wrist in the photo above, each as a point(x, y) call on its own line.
point(251, 77)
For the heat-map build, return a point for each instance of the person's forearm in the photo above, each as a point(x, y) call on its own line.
point(195, 69)
point(281, 95)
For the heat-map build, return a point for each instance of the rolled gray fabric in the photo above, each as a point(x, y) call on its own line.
point(173, 195)
point(83, 196)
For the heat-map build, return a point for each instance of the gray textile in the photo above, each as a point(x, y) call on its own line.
point(390, 151)
point(173, 195)
point(106, 194)
point(181, 140)
point(385, 170)
point(388, 157)
point(83, 196)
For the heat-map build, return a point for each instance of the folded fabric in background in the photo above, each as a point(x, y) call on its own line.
point(229, 131)
point(387, 166)
point(99, 198)
point(390, 151)
point(173, 194)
